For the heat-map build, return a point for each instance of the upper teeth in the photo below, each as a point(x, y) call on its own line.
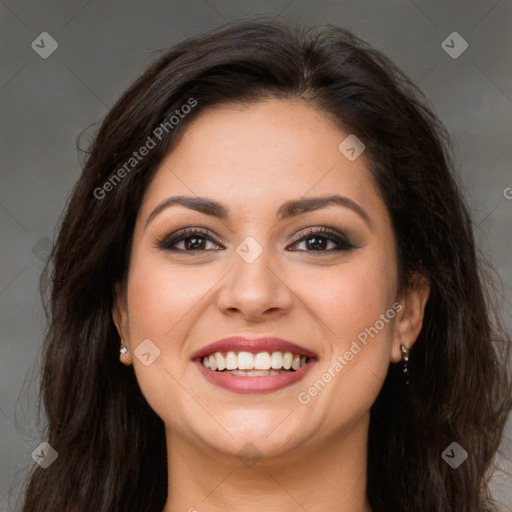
point(250, 361)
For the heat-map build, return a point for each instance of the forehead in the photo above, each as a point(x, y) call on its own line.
point(261, 154)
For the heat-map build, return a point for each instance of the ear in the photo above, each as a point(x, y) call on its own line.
point(409, 318)
point(120, 318)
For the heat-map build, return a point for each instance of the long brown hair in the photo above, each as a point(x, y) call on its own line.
point(107, 437)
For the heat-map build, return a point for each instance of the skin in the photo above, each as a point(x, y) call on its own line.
point(252, 158)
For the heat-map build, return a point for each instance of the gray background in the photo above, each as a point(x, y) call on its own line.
point(103, 46)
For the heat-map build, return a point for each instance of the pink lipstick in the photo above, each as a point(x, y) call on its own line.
point(254, 365)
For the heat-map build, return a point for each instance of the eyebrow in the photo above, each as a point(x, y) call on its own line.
point(286, 210)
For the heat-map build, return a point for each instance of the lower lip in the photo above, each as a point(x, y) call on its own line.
point(246, 385)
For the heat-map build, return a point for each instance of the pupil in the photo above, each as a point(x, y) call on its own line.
point(196, 242)
point(315, 243)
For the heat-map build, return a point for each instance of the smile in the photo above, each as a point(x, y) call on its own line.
point(246, 364)
point(243, 364)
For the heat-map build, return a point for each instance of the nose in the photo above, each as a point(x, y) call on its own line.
point(255, 290)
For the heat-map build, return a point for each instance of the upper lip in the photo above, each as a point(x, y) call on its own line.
point(254, 345)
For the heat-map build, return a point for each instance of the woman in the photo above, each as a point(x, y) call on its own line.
point(265, 294)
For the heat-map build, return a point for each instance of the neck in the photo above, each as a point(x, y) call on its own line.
point(330, 476)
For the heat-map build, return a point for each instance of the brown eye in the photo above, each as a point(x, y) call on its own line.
point(194, 241)
point(317, 240)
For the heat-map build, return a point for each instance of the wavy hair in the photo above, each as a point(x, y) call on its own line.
point(109, 439)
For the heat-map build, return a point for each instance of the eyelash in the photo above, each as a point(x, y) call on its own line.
point(168, 242)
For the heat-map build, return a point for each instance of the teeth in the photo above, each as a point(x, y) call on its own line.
point(256, 373)
point(220, 361)
point(231, 361)
point(287, 360)
point(262, 363)
point(245, 361)
point(276, 361)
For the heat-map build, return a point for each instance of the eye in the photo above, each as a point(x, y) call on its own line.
point(318, 239)
point(194, 240)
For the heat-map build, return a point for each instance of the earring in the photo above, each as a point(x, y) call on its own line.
point(405, 358)
point(123, 351)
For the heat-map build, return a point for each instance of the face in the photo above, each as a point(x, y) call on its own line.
point(321, 276)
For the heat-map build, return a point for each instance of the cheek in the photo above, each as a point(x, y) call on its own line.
point(163, 306)
point(356, 303)
point(161, 297)
point(351, 297)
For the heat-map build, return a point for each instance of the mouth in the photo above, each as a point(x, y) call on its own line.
point(244, 365)
point(247, 364)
